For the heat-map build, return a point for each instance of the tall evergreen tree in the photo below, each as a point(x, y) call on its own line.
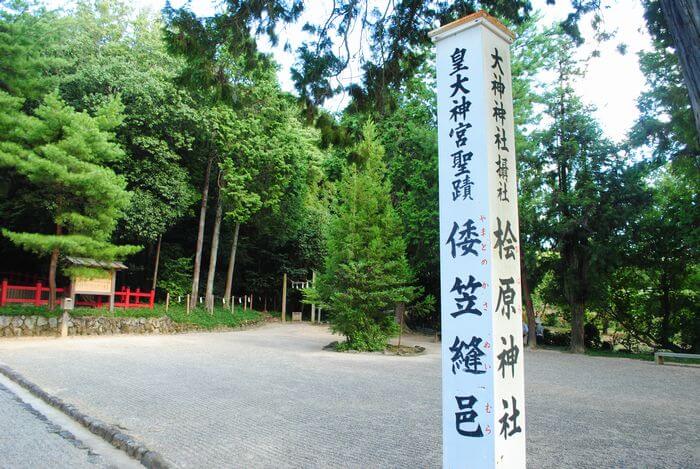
point(366, 272)
point(590, 196)
point(63, 153)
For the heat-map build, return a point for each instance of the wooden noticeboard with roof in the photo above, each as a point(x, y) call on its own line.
point(104, 286)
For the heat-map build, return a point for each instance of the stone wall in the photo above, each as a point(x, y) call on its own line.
point(30, 326)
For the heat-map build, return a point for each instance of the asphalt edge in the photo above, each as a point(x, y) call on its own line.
point(111, 434)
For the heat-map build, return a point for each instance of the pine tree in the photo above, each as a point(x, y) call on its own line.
point(62, 153)
point(366, 272)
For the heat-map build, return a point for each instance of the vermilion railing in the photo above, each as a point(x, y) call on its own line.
point(26, 294)
point(38, 295)
point(125, 298)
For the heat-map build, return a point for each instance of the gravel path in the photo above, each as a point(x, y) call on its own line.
point(29, 440)
point(270, 397)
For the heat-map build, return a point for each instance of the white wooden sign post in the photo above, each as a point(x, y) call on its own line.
point(483, 402)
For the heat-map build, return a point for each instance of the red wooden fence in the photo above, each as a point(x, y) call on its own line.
point(125, 298)
point(38, 295)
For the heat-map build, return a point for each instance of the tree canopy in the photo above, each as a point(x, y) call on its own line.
point(171, 131)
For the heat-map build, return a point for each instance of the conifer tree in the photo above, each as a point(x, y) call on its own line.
point(62, 153)
point(366, 272)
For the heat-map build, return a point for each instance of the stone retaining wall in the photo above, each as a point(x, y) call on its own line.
point(30, 326)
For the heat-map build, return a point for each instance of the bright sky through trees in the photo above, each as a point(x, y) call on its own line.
point(612, 84)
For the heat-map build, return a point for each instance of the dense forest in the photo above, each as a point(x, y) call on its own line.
point(165, 140)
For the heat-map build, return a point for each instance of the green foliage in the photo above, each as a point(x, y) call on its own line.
point(608, 236)
point(655, 296)
point(175, 276)
point(29, 50)
point(267, 154)
point(62, 153)
point(409, 136)
point(119, 53)
point(366, 272)
point(582, 194)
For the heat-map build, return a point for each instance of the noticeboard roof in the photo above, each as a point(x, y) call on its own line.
point(87, 262)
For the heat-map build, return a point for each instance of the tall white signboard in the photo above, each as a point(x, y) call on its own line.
point(483, 403)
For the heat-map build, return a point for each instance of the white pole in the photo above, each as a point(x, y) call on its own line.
point(483, 405)
point(313, 306)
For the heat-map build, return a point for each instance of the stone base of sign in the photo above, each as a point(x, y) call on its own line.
point(109, 433)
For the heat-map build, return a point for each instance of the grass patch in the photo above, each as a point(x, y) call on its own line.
point(621, 354)
point(221, 317)
point(21, 310)
point(644, 356)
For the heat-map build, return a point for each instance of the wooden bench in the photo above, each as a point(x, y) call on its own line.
point(659, 356)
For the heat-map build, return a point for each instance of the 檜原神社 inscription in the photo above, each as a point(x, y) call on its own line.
point(482, 348)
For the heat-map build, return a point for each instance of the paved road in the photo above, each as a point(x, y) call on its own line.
point(29, 440)
point(270, 397)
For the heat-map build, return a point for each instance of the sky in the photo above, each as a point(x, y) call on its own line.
point(612, 83)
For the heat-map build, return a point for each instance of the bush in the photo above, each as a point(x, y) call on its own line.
point(176, 276)
point(550, 320)
point(371, 338)
point(556, 338)
point(591, 335)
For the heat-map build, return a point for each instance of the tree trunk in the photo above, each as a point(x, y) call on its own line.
point(232, 262)
point(53, 266)
point(665, 332)
point(529, 308)
point(400, 311)
point(213, 254)
point(155, 268)
point(578, 312)
point(200, 237)
point(683, 21)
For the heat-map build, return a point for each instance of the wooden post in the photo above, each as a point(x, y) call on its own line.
point(233, 303)
point(152, 299)
point(245, 303)
point(111, 295)
point(72, 290)
point(37, 294)
point(251, 302)
point(127, 293)
point(313, 306)
point(187, 307)
point(284, 298)
point(3, 293)
point(167, 301)
point(155, 269)
point(64, 324)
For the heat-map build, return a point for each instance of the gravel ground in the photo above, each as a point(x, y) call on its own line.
point(29, 440)
point(270, 397)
